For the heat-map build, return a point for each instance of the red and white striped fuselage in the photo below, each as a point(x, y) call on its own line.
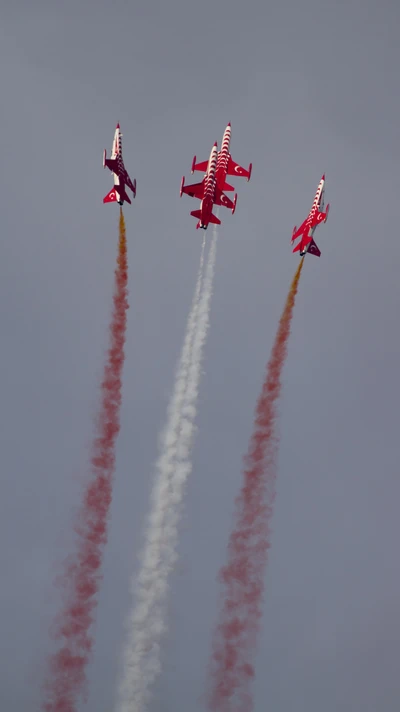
point(317, 206)
point(226, 166)
point(223, 160)
point(208, 191)
point(206, 205)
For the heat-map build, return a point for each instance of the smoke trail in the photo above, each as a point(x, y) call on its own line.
point(147, 624)
point(66, 680)
point(243, 577)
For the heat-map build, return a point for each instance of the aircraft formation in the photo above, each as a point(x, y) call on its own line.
point(231, 662)
point(210, 191)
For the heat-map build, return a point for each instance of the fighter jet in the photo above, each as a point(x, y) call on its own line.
point(225, 164)
point(307, 228)
point(121, 178)
point(209, 193)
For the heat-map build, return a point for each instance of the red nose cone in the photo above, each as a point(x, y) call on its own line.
point(323, 177)
point(229, 124)
point(216, 143)
point(118, 126)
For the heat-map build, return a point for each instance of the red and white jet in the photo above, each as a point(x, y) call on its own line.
point(307, 228)
point(225, 165)
point(121, 178)
point(209, 193)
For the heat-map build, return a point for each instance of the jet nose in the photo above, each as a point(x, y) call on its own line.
point(229, 124)
point(216, 143)
point(323, 177)
point(118, 126)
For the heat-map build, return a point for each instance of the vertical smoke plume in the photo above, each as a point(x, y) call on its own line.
point(66, 680)
point(243, 577)
point(147, 623)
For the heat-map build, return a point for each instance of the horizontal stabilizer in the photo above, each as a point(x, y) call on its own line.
point(226, 186)
point(212, 218)
point(111, 197)
point(196, 190)
point(123, 195)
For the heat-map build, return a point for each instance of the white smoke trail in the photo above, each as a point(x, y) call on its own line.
point(146, 625)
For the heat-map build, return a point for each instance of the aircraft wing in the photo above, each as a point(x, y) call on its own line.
point(318, 218)
point(111, 163)
point(299, 231)
point(314, 250)
point(128, 182)
point(200, 166)
point(196, 190)
point(235, 170)
point(221, 199)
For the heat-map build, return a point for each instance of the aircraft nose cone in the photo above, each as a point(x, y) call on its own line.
point(229, 124)
point(216, 143)
point(118, 126)
point(323, 177)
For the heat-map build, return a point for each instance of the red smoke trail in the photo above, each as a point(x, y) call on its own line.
point(67, 667)
point(243, 577)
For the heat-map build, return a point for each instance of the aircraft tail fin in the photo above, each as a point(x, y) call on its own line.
point(111, 197)
point(314, 250)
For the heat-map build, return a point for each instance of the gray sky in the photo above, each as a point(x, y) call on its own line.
point(308, 87)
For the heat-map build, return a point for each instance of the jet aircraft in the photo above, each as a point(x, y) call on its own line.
point(315, 217)
point(121, 177)
point(225, 165)
point(209, 193)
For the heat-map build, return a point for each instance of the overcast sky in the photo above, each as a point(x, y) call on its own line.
point(309, 87)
